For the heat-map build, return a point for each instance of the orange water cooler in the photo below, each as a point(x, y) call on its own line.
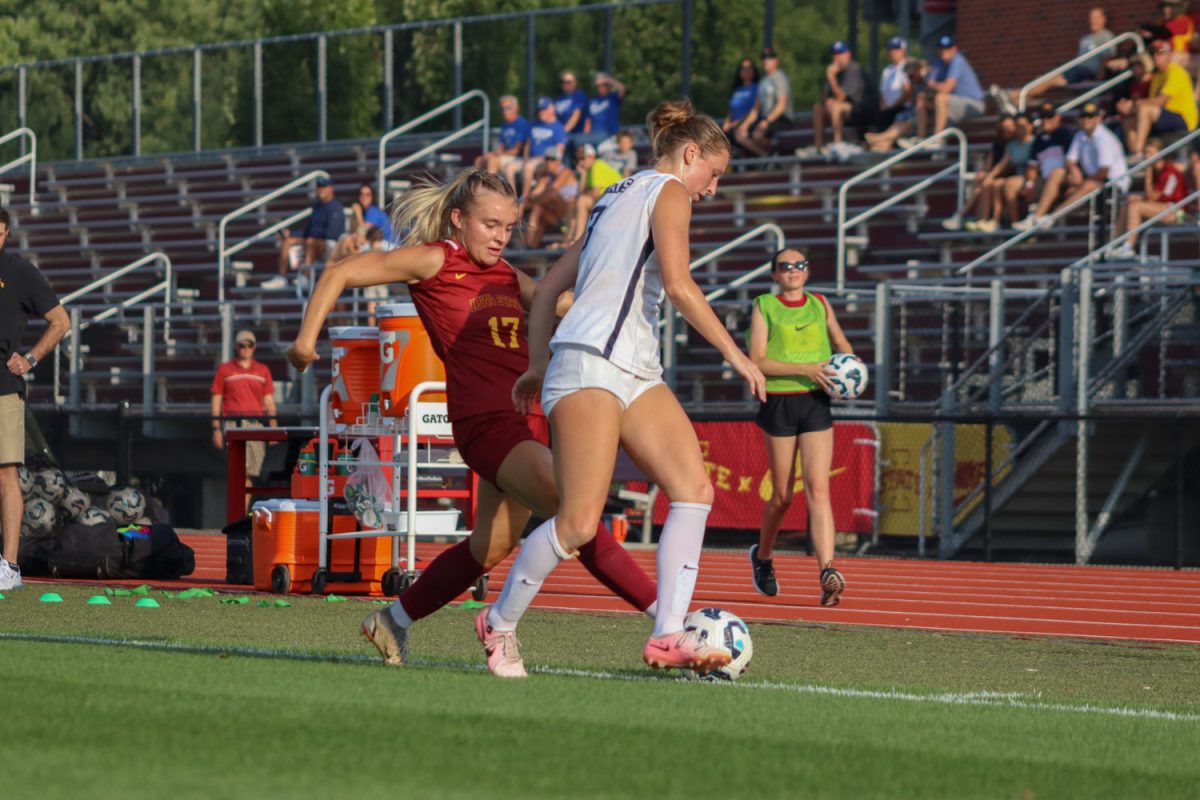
point(286, 543)
point(406, 357)
point(355, 372)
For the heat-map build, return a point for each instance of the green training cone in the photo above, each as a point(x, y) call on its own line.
point(99, 600)
point(50, 597)
point(333, 598)
point(147, 602)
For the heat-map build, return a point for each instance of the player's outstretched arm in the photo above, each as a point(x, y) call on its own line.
point(402, 265)
point(669, 222)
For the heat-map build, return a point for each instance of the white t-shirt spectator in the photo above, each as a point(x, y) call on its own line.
point(892, 84)
point(1099, 151)
point(770, 88)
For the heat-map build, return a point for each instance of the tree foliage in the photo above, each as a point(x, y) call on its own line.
point(647, 48)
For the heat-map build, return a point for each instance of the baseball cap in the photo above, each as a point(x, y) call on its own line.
point(897, 43)
point(544, 103)
point(769, 52)
point(245, 336)
point(839, 47)
point(323, 181)
point(946, 41)
point(587, 150)
point(552, 154)
point(1045, 111)
point(1089, 110)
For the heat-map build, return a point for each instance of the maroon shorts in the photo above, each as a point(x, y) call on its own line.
point(485, 440)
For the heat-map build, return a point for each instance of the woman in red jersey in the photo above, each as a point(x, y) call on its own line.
point(472, 302)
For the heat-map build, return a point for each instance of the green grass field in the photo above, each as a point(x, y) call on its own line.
point(203, 699)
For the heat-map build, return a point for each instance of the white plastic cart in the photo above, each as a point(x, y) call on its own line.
point(422, 453)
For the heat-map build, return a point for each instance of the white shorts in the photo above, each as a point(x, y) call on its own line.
point(572, 369)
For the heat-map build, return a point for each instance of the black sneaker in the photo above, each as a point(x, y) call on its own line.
point(762, 572)
point(832, 586)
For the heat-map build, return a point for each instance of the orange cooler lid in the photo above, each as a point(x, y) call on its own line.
point(395, 310)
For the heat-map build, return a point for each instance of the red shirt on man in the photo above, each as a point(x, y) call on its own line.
point(242, 388)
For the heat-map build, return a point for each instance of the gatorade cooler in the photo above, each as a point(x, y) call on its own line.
point(285, 549)
point(406, 357)
point(355, 372)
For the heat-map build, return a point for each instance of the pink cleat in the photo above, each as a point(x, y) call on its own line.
point(502, 649)
point(684, 650)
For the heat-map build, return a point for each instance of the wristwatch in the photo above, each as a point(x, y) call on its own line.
point(32, 359)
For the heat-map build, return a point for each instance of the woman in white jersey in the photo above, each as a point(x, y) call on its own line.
point(792, 335)
point(603, 388)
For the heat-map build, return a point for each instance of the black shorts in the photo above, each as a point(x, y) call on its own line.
point(1168, 122)
point(794, 414)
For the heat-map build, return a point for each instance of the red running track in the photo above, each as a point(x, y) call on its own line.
point(1015, 599)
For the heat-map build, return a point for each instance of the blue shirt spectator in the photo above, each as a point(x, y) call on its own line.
point(966, 82)
point(328, 218)
point(604, 110)
point(571, 105)
point(366, 211)
point(742, 95)
point(514, 133)
point(545, 135)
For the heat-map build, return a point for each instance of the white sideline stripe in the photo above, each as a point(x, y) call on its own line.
point(984, 699)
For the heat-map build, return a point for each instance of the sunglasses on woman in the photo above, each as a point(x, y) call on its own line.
point(792, 266)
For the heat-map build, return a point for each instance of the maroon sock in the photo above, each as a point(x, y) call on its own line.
point(612, 565)
point(450, 574)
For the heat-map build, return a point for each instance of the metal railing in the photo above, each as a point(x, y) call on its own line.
point(29, 158)
point(1112, 185)
point(223, 252)
point(1112, 44)
point(135, 64)
point(666, 323)
point(385, 169)
point(921, 148)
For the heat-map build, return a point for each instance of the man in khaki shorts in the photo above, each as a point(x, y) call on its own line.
point(242, 394)
point(23, 291)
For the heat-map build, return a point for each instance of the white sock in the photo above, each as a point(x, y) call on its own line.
point(678, 564)
point(651, 610)
point(539, 555)
point(400, 615)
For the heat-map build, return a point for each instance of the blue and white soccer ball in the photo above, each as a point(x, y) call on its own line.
point(126, 505)
point(724, 631)
point(38, 519)
point(25, 480)
point(848, 374)
point(94, 515)
point(74, 503)
point(49, 484)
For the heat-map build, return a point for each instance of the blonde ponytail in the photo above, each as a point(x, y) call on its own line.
point(674, 123)
point(424, 211)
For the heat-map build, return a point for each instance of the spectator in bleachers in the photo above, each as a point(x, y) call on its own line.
point(604, 112)
point(362, 239)
point(1181, 28)
point(1171, 106)
point(242, 395)
point(1098, 35)
point(742, 95)
point(321, 231)
point(1162, 185)
point(550, 200)
point(595, 176)
point(1123, 116)
point(510, 144)
point(1018, 154)
point(1095, 156)
point(1047, 161)
point(772, 110)
point(953, 93)
point(986, 196)
point(24, 291)
point(367, 212)
point(902, 125)
point(625, 159)
point(895, 86)
point(846, 98)
point(571, 105)
point(547, 135)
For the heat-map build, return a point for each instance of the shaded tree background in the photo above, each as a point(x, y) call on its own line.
point(647, 53)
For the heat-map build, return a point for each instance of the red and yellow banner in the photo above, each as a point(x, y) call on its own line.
point(735, 456)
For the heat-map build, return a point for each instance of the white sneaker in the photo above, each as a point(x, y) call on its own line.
point(278, 282)
point(1032, 221)
point(1123, 253)
point(986, 226)
point(10, 576)
point(953, 223)
point(905, 142)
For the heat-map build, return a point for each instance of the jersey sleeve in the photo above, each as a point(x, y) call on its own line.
point(218, 384)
